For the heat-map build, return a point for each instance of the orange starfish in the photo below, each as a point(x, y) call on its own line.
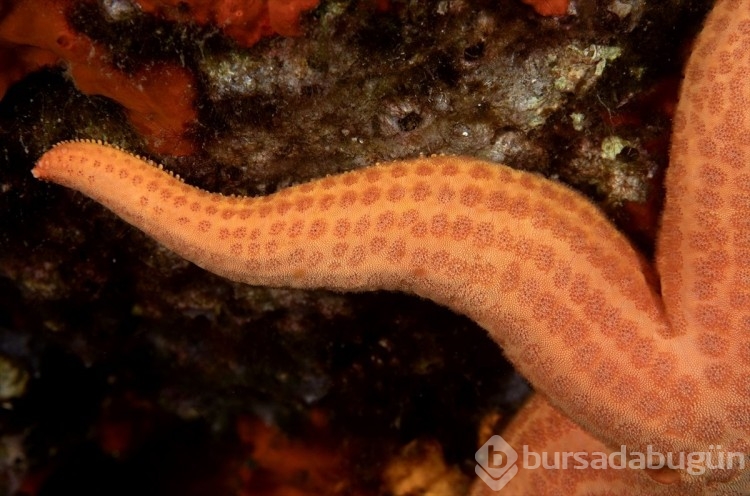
point(571, 302)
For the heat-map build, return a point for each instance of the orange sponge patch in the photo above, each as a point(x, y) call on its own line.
point(245, 21)
point(549, 7)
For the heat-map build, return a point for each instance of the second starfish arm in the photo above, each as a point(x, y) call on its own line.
point(543, 430)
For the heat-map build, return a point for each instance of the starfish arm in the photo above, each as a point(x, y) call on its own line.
point(543, 436)
point(704, 241)
point(704, 246)
point(534, 263)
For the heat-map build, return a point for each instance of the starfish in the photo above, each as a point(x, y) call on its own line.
point(615, 361)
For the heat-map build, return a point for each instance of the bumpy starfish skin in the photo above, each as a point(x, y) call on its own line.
point(573, 305)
